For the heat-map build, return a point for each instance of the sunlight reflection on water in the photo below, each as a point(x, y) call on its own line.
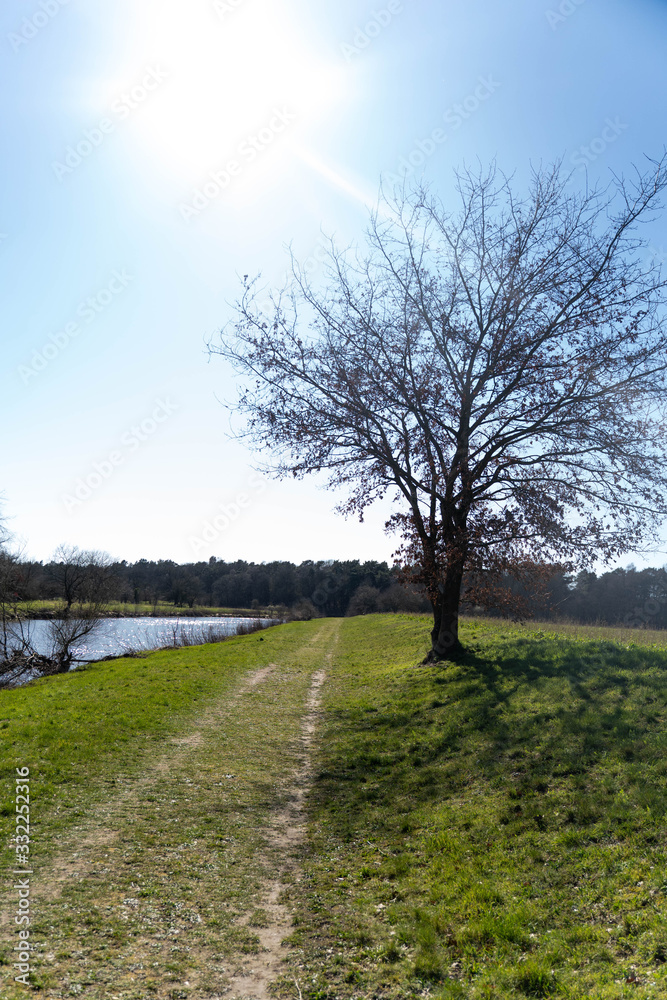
point(121, 635)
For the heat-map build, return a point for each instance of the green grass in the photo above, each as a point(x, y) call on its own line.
point(141, 610)
point(652, 638)
point(73, 729)
point(151, 784)
point(493, 829)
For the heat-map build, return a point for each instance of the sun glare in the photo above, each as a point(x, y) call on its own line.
point(244, 75)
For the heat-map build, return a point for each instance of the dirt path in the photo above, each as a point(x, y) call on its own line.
point(102, 830)
point(170, 887)
point(287, 831)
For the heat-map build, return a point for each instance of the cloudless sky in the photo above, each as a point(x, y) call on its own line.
point(115, 274)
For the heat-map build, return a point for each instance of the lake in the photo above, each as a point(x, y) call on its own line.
point(117, 636)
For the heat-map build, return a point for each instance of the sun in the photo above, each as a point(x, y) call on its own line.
point(235, 74)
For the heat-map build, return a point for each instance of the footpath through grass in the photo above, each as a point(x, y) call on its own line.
point(494, 829)
point(488, 830)
point(153, 783)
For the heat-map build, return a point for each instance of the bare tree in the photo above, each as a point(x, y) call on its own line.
point(500, 371)
point(80, 574)
point(19, 659)
point(13, 631)
point(4, 530)
point(65, 634)
point(86, 584)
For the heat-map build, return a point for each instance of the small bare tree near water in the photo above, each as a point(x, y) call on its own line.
point(500, 371)
point(86, 587)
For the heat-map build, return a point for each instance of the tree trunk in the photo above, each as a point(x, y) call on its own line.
point(445, 643)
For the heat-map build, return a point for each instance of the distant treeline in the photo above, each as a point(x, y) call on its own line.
point(636, 598)
point(331, 587)
point(622, 596)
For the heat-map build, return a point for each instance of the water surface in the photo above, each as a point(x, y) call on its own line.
point(123, 635)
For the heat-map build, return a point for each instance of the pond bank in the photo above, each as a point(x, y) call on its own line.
point(46, 611)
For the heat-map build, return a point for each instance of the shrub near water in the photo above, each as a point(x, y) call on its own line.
point(492, 829)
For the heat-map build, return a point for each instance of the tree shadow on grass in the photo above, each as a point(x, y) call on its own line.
point(495, 801)
point(581, 703)
point(540, 711)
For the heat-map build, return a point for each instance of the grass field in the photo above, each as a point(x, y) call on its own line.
point(44, 608)
point(492, 829)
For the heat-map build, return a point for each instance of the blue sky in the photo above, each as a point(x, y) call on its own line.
point(115, 272)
